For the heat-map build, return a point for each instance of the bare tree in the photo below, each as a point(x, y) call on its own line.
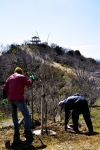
point(87, 84)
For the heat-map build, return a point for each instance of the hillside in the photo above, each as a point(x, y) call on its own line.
point(61, 74)
point(46, 64)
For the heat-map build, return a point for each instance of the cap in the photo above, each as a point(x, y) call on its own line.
point(18, 70)
point(60, 103)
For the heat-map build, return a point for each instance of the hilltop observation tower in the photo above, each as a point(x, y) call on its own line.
point(35, 40)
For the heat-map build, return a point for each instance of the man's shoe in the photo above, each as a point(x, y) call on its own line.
point(77, 131)
point(16, 139)
point(29, 135)
point(90, 133)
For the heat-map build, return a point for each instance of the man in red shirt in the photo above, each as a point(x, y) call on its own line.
point(13, 89)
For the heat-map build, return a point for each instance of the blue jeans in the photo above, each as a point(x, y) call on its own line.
point(25, 112)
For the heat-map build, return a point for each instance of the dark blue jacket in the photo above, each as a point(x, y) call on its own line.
point(69, 105)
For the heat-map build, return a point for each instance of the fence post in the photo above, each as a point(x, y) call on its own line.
point(32, 105)
point(42, 108)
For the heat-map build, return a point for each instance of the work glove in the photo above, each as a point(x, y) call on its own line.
point(5, 101)
point(32, 77)
point(65, 127)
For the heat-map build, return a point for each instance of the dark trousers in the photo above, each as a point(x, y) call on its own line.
point(81, 107)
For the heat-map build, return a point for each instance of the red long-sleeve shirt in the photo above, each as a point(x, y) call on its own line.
point(15, 86)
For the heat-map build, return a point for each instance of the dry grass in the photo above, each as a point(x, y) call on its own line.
point(61, 141)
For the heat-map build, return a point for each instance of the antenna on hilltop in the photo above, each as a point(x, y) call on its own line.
point(37, 33)
point(48, 37)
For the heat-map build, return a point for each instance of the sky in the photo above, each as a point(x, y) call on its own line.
point(73, 24)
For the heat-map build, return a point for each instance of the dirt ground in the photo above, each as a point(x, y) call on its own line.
point(61, 141)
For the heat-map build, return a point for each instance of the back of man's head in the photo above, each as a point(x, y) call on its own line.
point(18, 70)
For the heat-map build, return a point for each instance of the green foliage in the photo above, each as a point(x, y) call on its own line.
point(70, 52)
point(77, 52)
point(63, 91)
point(35, 50)
point(13, 49)
point(1, 114)
point(82, 59)
point(58, 50)
point(91, 60)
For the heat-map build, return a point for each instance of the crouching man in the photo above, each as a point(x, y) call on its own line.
point(78, 105)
